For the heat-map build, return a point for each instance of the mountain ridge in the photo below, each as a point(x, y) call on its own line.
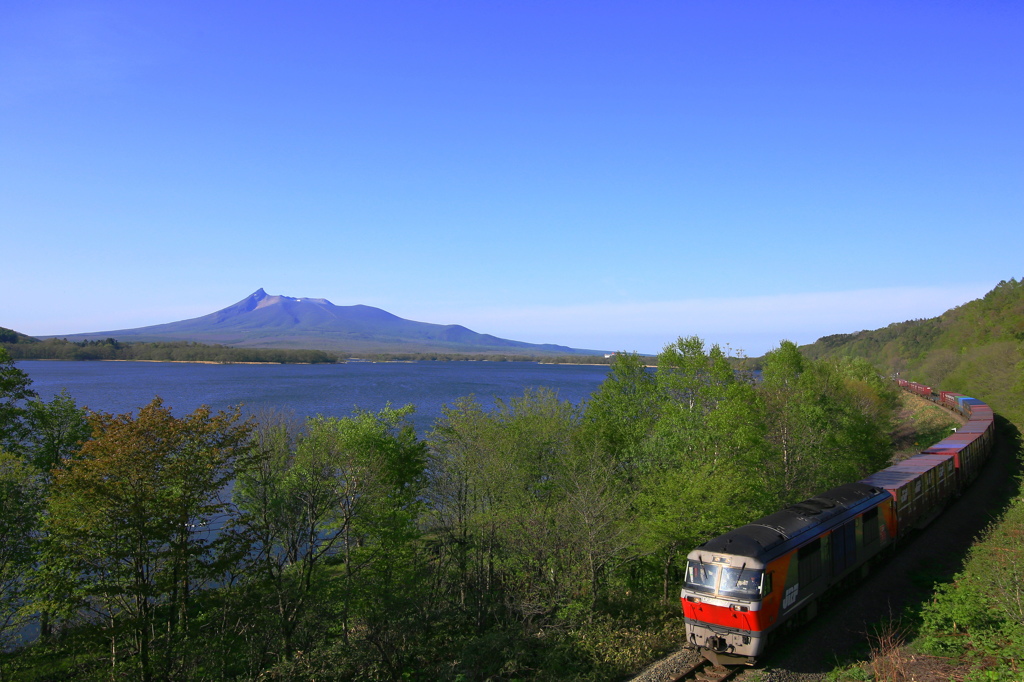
point(261, 320)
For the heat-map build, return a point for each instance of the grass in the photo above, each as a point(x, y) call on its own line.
point(921, 423)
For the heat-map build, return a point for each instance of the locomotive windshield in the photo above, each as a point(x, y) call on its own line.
point(740, 582)
point(702, 576)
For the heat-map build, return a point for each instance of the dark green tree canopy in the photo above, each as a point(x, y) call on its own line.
point(15, 390)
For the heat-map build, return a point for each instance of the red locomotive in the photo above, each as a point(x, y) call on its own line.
point(751, 583)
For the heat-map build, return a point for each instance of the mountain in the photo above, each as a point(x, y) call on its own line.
point(264, 321)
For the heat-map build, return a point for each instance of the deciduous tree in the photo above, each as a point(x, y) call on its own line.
point(345, 489)
point(15, 390)
point(129, 522)
point(55, 430)
point(828, 422)
point(20, 504)
point(620, 414)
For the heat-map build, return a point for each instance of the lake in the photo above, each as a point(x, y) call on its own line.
point(305, 390)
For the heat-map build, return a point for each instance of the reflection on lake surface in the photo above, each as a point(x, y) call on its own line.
point(330, 390)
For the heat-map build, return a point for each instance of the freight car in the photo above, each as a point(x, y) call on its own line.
point(745, 588)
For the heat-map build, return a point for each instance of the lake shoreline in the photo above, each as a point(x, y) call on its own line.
point(340, 362)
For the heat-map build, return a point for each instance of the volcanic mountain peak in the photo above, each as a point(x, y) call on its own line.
point(265, 321)
point(262, 299)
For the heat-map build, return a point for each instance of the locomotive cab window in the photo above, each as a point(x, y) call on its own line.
point(740, 582)
point(701, 576)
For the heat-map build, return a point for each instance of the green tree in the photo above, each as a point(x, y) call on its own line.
point(828, 422)
point(694, 377)
point(128, 525)
point(596, 517)
point(620, 414)
point(498, 486)
point(15, 390)
point(686, 506)
point(695, 483)
point(457, 496)
point(20, 504)
point(345, 490)
point(55, 430)
point(693, 381)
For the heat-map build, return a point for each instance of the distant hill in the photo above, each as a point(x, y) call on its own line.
point(976, 348)
point(11, 336)
point(264, 321)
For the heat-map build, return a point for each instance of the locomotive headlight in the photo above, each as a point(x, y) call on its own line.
point(740, 607)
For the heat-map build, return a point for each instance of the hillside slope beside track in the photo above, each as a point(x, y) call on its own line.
point(843, 630)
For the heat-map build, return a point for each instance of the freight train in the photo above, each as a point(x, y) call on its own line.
point(745, 588)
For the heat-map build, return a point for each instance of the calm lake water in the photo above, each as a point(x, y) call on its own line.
point(330, 390)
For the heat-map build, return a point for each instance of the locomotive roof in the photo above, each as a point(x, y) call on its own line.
point(758, 538)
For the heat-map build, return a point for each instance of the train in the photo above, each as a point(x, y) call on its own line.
point(746, 588)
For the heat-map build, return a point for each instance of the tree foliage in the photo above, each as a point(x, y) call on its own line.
point(160, 351)
point(976, 348)
point(21, 498)
point(342, 492)
point(55, 431)
point(536, 539)
point(129, 523)
point(828, 422)
point(15, 391)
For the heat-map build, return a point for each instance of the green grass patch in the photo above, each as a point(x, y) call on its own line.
point(921, 423)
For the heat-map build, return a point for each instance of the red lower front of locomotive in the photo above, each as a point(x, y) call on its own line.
point(726, 631)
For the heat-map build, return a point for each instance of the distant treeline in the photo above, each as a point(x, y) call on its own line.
point(22, 347)
point(175, 351)
point(488, 357)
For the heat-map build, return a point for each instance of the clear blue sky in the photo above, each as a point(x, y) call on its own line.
point(604, 175)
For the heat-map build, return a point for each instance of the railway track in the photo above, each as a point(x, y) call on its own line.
point(706, 671)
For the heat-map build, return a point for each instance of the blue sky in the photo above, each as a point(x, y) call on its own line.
point(604, 175)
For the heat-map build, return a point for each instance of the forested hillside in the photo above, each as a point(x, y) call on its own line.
point(976, 619)
point(976, 348)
